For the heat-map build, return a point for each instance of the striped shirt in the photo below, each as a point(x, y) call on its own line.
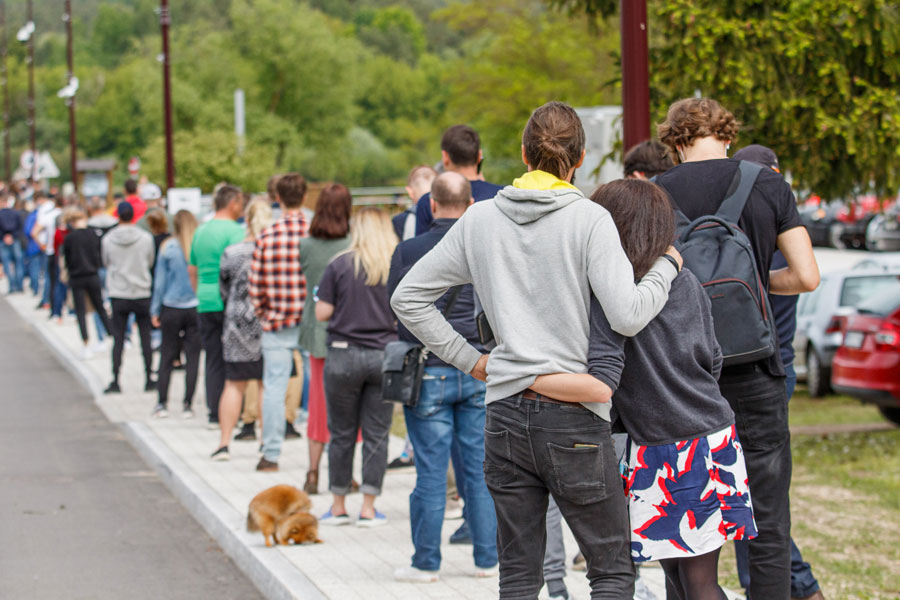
point(277, 282)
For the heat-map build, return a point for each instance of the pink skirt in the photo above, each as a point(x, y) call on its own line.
point(317, 423)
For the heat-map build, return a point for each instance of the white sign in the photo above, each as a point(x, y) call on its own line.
point(46, 168)
point(183, 199)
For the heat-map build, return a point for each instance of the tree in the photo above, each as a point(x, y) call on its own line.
point(394, 31)
point(816, 80)
point(505, 73)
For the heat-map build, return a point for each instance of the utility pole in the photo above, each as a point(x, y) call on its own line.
point(71, 99)
point(167, 93)
point(3, 80)
point(635, 73)
point(31, 124)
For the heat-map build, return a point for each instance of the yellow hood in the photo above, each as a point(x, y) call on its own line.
point(541, 180)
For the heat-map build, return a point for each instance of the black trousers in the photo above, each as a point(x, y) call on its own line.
point(88, 287)
point(532, 449)
point(140, 308)
point(180, 329)
point(211, 339)
point(760, 407)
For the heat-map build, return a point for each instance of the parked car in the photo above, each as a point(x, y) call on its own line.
point(821, 316)
point(839, 223)
point(883, 231)
point(867, 364)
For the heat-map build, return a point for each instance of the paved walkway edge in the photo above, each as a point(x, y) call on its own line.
point(274, 576)
point(267, 568)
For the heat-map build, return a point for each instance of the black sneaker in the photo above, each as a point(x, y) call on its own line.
point(113, 388)
point(290, 433)
point(266, 465)
point(221, 455)
point(461, 535)
point(402, 462)
point(247, 433)
point(150, 386)
point(556, 588)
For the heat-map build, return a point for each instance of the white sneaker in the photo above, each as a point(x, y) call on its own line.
point(188, 414)
point(487, 571)
point(414, 575)
point(86, 353)
point(332, 520)
point(160, 412)
point(98, 347)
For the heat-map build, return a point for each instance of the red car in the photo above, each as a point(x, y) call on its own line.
point(867, 365)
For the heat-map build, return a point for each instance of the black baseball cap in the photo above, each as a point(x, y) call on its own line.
point(761, 155)
point(125, 212)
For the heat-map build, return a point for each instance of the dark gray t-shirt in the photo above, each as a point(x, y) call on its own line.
point(362, 313)
point(668, 390)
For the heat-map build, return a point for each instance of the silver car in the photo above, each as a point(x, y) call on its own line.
point(821, 316)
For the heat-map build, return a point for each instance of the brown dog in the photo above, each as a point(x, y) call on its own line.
point(271, 506)
point(299, 528)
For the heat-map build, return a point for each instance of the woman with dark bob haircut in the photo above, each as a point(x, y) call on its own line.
point(328, 237)
point(678, 422)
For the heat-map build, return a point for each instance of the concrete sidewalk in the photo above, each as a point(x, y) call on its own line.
point(353, 563)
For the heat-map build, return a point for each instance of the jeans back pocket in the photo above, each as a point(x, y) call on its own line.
point(578, 473)
point(498, 466)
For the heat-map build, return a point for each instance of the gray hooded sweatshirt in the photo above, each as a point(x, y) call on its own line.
point(534, 257)
point(127, 254)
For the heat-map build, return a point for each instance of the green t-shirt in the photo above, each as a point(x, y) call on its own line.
point(210, 241)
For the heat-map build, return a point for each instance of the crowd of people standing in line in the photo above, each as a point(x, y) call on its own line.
point(585, 299)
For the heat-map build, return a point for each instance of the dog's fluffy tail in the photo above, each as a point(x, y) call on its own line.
point(251, 523)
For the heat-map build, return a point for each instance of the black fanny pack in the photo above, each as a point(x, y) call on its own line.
point(404, 365)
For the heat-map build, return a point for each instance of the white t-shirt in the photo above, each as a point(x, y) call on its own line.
point(46, 218)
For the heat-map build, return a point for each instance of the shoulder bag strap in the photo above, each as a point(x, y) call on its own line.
point(733, 204)
point(454, 295)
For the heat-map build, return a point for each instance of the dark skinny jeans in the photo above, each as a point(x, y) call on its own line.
point(140, 308)
point(88, 287)
point(211, 324)
point(532, 449)
point(180, 329)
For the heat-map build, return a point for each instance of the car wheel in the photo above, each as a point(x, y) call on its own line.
point(891, 413)
point(817, 376)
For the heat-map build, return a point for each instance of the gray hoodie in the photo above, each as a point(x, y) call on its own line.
point(127, 254)
point(534, 257)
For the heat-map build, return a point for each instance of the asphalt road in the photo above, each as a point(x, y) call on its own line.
point(81, 515)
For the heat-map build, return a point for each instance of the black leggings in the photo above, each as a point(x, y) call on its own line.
point(90, 287)
point(693, 578)
point(180, 327)
point(121, 308)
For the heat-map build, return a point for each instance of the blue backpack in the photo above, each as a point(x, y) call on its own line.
point(716, 250)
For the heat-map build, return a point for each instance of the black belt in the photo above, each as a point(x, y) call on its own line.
point(532, 395)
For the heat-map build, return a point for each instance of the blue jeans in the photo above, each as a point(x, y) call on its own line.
point(11, 256)
point(33, 269)
point(803, 582)
point(278, 358)
point(451, 407)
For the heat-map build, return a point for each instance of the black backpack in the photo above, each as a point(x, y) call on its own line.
point(716, 250)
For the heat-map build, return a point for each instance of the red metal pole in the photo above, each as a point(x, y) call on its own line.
point(71, 101)
point(167, 94)
point(3, 78)
point(635, 73)
point(31, 123)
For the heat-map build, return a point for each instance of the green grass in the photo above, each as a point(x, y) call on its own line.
point(830, 410)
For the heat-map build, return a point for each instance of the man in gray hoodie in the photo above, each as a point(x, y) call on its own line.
point(535, 254)
point(127, 254)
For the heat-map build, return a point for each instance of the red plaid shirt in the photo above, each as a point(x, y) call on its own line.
point(277, 283)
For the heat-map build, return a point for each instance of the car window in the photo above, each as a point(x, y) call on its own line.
point(884, 302)
point(857, 289)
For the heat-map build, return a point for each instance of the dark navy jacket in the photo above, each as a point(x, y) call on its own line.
point(462, 313)
point(481, 190)
point(784, 309)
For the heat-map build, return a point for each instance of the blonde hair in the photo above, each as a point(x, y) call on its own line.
point(259, 216)
point(372, 243)
point(185, 224)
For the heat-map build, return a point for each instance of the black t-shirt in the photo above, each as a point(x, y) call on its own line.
point(81, 252)
point(698, 189)
point(362, 313)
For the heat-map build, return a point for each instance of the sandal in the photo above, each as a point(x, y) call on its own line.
point(311, 486)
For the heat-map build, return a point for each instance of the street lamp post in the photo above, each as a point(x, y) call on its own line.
point(70, 100)
point(31, 124)
point(3, 80)
point(167, 93)
point(635, 73)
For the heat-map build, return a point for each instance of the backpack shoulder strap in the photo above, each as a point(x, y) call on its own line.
point(733, 204)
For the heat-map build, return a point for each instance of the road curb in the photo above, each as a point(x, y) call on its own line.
point(267, 568)
point(273, 574)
